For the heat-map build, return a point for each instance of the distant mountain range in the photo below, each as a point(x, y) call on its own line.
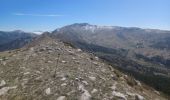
point(142, 53)
point(118, 37)
point(14, 39)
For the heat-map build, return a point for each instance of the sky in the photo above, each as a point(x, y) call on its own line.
point(47, 15)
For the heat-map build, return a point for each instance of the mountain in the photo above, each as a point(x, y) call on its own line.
point(14, 39)
point(142, 53)
point(49, 69)
point(118, 37)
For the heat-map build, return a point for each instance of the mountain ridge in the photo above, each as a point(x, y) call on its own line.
point(50, 69)
point(14, 39)
point(119, 27)
point(133, 50)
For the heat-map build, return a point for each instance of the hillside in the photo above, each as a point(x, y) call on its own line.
point(142, 53)
point(48, 69)
point(130, 38)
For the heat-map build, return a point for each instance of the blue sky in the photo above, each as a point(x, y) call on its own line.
point(47, 15)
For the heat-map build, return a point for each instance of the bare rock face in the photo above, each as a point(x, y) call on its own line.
point(49, 69)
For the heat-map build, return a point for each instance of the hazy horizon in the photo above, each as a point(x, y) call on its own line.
point(39, 31)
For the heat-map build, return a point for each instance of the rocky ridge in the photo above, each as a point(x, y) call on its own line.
point(48, 69)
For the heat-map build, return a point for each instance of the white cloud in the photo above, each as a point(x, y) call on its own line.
point(38, 32)
point(45, 15)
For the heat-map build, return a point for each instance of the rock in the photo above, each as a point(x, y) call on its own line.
point(60, 49)
point(31, 49)
point(70, 52)
point(94, 91)
point(42, 49)
point(139, 97)
point(63, 61)
point(122, 78)
point(86, 95)
point(76, 61)
point(97, 58)
point(95, 63)
point(63, 78)
point(48, 91)
point(3, 83)
point(56, 43)
point(78, 78)
point(69, 93)
point(114, 86)
point(4, 63)
point(125, 76)
point(49, 62)
point(79, 50)
point(85, 82)
point(61, 98)
point(157, 92)
point(64, 84)
point(130, 94)
point(138, 83)
point(5, 58)
point(92, 78)
point(50, 51)
point(120, 95)
point(103, 70)
point(4, 90)
point(73, 58)
point(38, 72)
point(24, 81)
point(26, 73)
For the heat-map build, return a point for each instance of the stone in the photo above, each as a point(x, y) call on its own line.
point(94, 91)
point(26, 73)
point(85, 95)
point(48, 91)
point(139, 97)
point(79, 50)
point(3, 83)
point(114, 86)
point(120, 95)
point(63, 78)
point(97, 58)
point(64, 84)
point(85, 82)
point(4, 90)
point(63, 61)
point(61, 98)
point(92, 78)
